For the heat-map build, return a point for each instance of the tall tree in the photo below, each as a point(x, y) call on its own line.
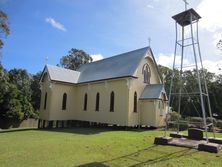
point(10, 106)
point(4, 27)
point(190, 84)
point(74, 59)
point(21, 79)
point(36, 92)
point(219, 44)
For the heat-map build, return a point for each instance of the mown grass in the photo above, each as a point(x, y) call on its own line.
point(95, 147)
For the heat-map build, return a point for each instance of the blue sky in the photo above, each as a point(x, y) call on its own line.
point(102, 28)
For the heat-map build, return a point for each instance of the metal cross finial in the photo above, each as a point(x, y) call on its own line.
point(186, 3)
point(149, 40)
point(46, 59)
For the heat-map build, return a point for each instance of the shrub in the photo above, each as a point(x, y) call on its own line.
point(196, 119)
point(219, 124)
point(174, 116)
point(209, 120)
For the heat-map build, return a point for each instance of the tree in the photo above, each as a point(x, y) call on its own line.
point(74, 59)
point(36, 92)
point(21, 79)
point(190, 84)
point(219, 44)
point(4, 27)
point(10, 105)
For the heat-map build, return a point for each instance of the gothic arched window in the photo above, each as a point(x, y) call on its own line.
point(97, 102)
point(112, 102)
point(146, 74)
point(64, 99)
point(85, 102)
point(45, 102)
point(135, 102)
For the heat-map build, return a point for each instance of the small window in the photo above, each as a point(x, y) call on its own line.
point(85, 102)
point(146, 74)
point(135, 102)
point(64, 99)
point(112, 102)
point(45, 102)
point(97, 102)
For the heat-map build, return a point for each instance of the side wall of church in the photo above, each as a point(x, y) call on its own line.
point(76, 99)
point(104, 115)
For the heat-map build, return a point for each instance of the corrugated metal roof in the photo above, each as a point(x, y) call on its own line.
point(122, 65)
point(62, 74)
point(152, 91)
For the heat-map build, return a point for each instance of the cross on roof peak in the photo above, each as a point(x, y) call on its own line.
point(149, 40)
point(186, 3)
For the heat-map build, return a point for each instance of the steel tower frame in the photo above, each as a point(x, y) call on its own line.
point(189, 18)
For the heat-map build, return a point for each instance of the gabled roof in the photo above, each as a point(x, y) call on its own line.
point(123, 65)
point(61, 74)
point(152, 91)
point(119, 66)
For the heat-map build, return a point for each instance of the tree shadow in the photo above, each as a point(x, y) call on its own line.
point(93, 164)
point(166, 156)
point(134, 156)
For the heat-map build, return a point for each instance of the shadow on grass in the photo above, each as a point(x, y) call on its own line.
point(166, 156)
point(18, 130)
point(83, 131)
point(163, 156)
point(75, 130)
point(93, 164)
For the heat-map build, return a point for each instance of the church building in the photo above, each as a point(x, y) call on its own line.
point(123, 90)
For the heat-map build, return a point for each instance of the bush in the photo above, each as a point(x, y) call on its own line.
point(219, 124)
point(174, 116)
point(196, 119)
point(15, 110)
point(209, 120)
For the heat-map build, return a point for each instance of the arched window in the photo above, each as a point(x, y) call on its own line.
point(112, 102)
point(97, 102)
point(135, 102)
point(85, 102)
point(64, 99)
point(161, 107)
point(45, 102)
point(146, 74)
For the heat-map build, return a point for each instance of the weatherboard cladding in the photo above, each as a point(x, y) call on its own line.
point(152, 91)
point(123, 65)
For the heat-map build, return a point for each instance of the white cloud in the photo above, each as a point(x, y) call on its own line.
point(216, 38)
point(150, 6)
point(167, 60)
point(211, 14)
point(97, 57)
point(213, 66)
point(55, 24)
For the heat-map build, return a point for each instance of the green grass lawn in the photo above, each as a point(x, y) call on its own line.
point(95, 147)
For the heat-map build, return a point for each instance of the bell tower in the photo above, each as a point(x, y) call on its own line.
point(188, 95)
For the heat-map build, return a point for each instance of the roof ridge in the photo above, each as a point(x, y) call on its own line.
point(111, 57)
